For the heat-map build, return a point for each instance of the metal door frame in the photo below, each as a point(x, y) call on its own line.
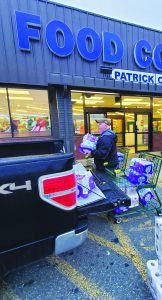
point(136, 111)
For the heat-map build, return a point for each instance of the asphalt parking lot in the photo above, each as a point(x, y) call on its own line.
point(110, 265)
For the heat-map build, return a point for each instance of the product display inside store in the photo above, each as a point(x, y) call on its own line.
point(24, 113)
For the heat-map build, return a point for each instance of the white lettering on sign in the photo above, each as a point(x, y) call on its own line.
point(8, 188)
point(133, 76)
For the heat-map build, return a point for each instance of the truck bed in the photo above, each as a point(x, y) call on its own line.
point(115, 197)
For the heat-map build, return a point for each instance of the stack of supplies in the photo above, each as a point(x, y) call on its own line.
point(154, 267)
point(87, 190)
point(139, 172)
point(130, 191)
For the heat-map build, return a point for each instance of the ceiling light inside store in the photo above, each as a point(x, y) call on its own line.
point(93, 102)
point(78, 109)
point(87, 101)
point(21, 110)
point(92, 98)
point(39, 108)
point(135, 102)
point(3, 91)
point(20, 98)
point(132, 99)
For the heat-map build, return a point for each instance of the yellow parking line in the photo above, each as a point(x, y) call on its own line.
point(130, 250)
point(141, 216)
point(143, 244)
point(116, 248)
point(144, 226)
point(79, 279)
point(6, 292)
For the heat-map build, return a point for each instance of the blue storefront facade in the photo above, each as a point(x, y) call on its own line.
point(61, 67)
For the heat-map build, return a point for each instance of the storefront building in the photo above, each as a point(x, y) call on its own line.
point(61, 68)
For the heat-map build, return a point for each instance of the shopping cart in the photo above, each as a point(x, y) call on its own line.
point(156, 203)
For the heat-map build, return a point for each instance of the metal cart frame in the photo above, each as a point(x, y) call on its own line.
point(155, 204)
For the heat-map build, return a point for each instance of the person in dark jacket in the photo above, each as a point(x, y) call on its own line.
point(106, 151)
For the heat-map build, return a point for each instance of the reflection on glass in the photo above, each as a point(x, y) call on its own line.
point(29, 113)
point(157, 114)
point(5, 126)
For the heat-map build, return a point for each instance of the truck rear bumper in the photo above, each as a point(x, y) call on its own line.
point(70, 240)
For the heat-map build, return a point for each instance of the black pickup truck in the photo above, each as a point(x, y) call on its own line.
point(38, 206)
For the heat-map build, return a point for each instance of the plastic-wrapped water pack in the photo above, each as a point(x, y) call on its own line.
point(130, 191)
point(158, 239)
point(146, 195)
point(120, 156)
point(141, 165)
point(154, 279)
point(88, 143)
point(137, 178)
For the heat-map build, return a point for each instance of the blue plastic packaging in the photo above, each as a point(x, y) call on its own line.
point(141, 165)
point(146, 195)
point(121, 209)
point(88, 143)
point(137, 178)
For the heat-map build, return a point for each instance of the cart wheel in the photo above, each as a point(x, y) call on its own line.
point(118, 220)
point(159, 213)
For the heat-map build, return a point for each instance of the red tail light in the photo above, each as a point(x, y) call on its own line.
point(59, 189)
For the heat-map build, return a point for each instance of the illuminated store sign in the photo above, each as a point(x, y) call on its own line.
point(128, 75)
point(61, 41)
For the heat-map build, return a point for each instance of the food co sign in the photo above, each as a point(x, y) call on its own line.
point(60, 40)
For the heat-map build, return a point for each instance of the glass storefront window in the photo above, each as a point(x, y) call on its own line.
point(101, 100)
point(157, 114)
point(5, 128)
point(136, 102)
point(78, 113)
point(28, 113)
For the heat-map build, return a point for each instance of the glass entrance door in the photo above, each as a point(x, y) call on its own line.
point(131, 128)
point(142, 132)
point(117, 125)
point(137, 131)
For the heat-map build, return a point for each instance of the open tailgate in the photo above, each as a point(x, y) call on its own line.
point(114, 196)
